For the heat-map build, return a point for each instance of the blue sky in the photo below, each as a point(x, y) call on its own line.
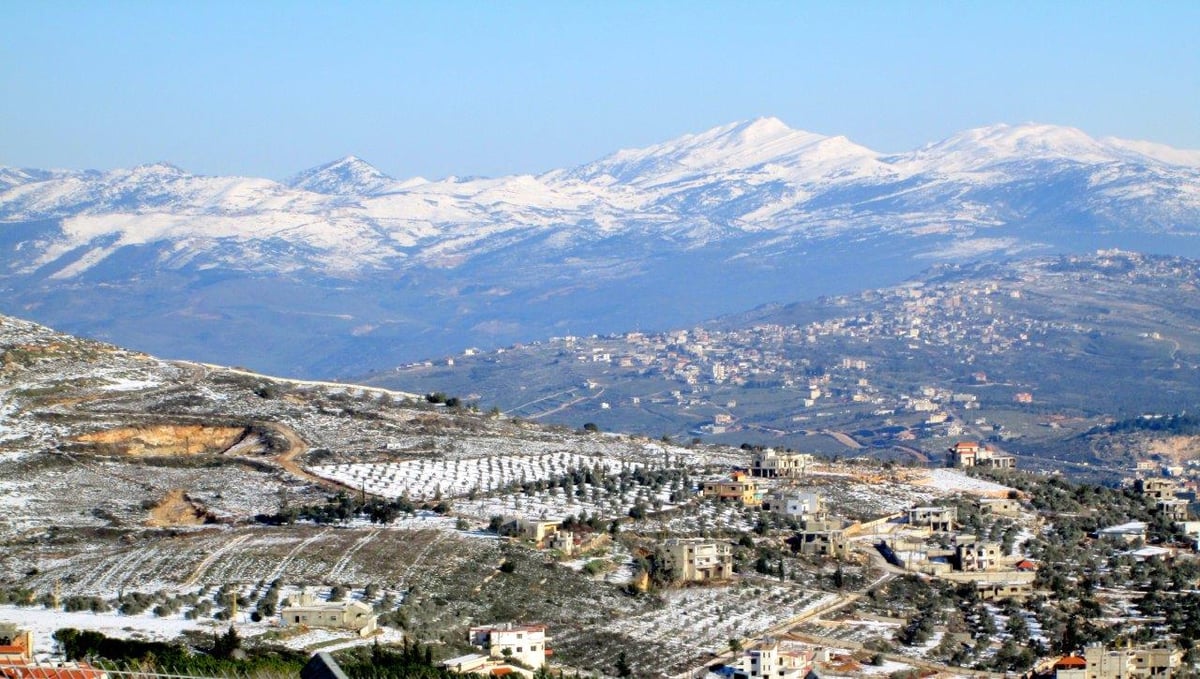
point(487, 88)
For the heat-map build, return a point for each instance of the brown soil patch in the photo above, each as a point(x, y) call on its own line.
point(177, 509)
point(168, 439)
point(1177, 448)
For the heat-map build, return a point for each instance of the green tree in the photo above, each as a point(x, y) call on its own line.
point(622, 667)
point(226, 644)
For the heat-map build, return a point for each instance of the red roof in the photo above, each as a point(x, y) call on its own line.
point(1070, 661)
point(1026, 565)
point(82, 671)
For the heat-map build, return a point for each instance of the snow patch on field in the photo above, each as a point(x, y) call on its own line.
point(125, 384)
point(43, 622)
point(955, 481)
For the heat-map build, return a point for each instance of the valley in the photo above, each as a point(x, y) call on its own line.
point(1017, 353)
point(147, 498)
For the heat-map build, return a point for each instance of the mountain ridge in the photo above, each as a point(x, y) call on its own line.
point(693, 227)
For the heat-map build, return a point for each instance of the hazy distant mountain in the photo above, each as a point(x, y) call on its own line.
point(350, 176)
point(342, 268)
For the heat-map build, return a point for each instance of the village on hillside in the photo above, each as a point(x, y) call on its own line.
point(786, 566)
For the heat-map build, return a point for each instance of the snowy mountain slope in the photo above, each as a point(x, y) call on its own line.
point(346, 176)
point(750, 177)
point(648, 235)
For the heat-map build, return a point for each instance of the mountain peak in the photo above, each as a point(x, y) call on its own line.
point(736, 146)
point(758, 128)
point(347, 175)
point(159, 168)
point(982, 147)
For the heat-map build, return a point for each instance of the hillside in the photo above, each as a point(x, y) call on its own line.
point(1034, 352)
point(150, 499)
point(153, 493)
point(342, 268)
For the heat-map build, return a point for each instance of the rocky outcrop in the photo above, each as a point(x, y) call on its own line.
point(177, 509)
point(166, 439)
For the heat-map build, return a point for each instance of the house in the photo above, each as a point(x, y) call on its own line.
point(313, 612)
point(793, 502)
point(820, 537)
point(769, 661)
point(1129, 532)
point(58, 670)
point(534, 531)
point(996, 591)
point(1103, 663)
point(771, 464)
point(1072, 665)
point(16, 659)
point(827, 543)
point(16, 645)
point(1173, 509)
point(915, 555)
point(1158, 488)
point(699, 560)
point(978, 555)
point(525, 644)
point(471, 663)
point(1002, 506)
point(565, 542)
point(936, 519)
point(966, 454)
point(739, 487)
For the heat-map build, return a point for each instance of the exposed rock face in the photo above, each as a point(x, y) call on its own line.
point(177, 509)
point(167, 439)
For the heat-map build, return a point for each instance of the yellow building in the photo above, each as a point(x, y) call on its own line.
point(740, 487)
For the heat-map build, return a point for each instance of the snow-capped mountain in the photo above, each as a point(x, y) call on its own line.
point(703, 224)
point(349, 176)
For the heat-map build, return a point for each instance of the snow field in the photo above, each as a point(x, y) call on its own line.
point(43, 622)
point(695, 621)
point(426, 479)
point(699, 519)
point(950, 480)
point(556, 503)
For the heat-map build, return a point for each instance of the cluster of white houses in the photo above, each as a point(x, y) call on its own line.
point(772, 659)
point(1099, 662)
point(507, 648)
point(970, 559)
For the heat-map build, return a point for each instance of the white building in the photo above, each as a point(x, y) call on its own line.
point(770, 464)
point(699, 560)
point(794, 502)
point(769, 661)
point(312, 612)
point(525, 644)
